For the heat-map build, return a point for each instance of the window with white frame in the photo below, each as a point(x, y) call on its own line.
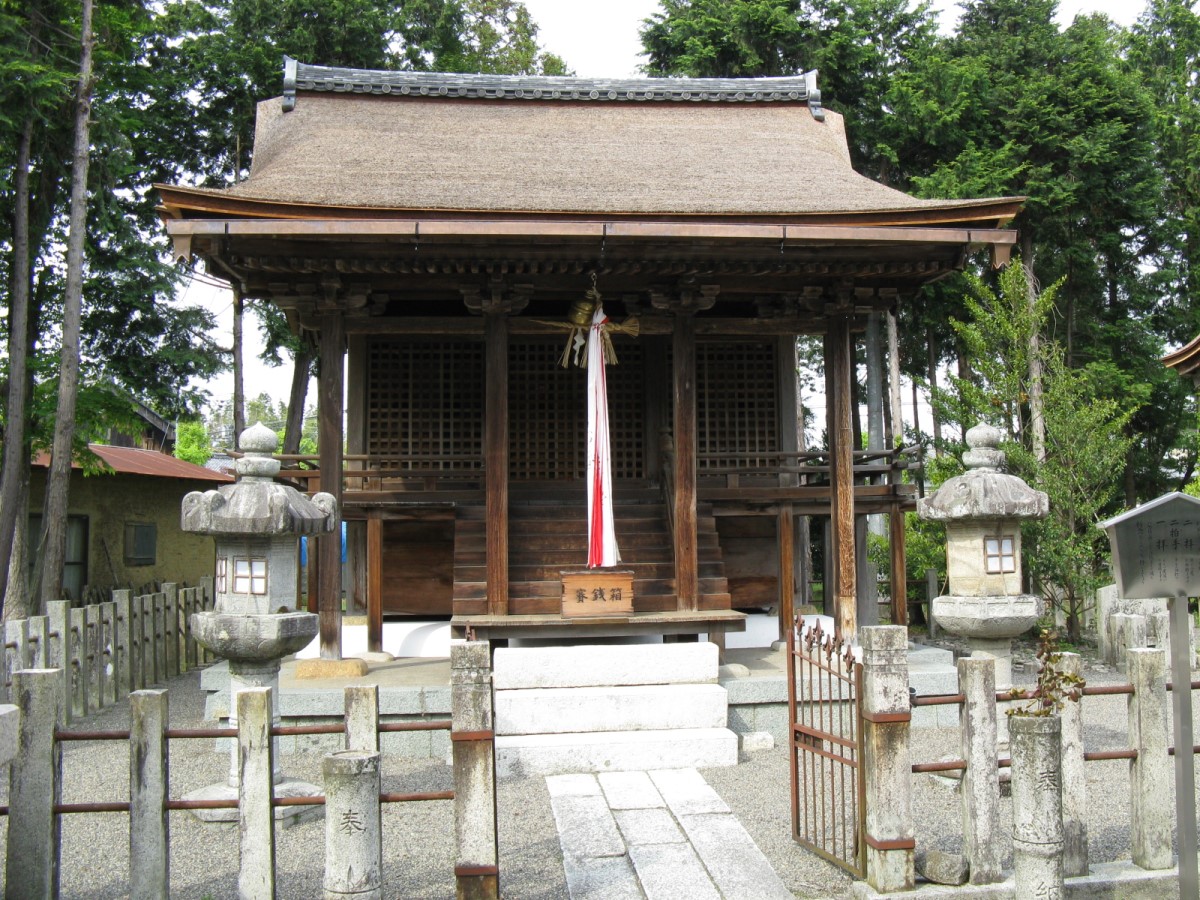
point(999, 553)
point(222, 574)
point(250, 575)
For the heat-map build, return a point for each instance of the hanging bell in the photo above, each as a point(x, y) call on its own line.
point(581, 312)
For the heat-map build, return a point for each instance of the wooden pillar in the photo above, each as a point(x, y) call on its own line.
point(788, 414)
point(375, 581)
point(899, 579)
point(684, 382)
point(838, 374)
point(787, 584)
point(330, 387)
point(495, 465)
point(356, 442)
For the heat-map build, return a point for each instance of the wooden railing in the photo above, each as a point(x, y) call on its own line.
point(364, 473)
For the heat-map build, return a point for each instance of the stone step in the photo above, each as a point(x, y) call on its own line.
point(519, 756)
point(629, 708)
point(600, 665)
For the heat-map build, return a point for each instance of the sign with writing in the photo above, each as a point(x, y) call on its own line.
point(597, 592)
point(1154, 555)
point(1156, 548)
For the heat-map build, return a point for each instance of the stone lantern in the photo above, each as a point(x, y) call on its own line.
point(983, 509)
point(256, 523)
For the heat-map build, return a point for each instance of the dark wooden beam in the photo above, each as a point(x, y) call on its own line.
point(839, 355)
point(786, 527)
point(375, 581)
point(899, 579)
point(495, 467)
point(684, 381)
point(329, 439)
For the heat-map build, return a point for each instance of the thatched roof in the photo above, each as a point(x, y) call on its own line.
point(348, 145)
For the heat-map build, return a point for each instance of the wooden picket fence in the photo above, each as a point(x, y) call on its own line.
point(107, 650)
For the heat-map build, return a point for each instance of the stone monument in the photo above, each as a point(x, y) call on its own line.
point(256, 523)
point(983, 509)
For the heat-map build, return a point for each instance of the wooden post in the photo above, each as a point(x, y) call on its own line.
point(838, 375)
point(684, 382)
point(899, 579)
point(356, 531)
point(789, 443)
point(787, 585)
point(329, 442)
point(375, 581)
point(495, 467)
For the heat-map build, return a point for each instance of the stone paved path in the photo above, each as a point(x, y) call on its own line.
point(655, 835)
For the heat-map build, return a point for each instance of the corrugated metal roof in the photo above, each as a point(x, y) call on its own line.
point(134, 461)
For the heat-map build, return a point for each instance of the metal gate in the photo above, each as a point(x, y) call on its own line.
point(824, 687)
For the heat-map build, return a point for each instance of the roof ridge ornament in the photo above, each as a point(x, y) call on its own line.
point(298, 76)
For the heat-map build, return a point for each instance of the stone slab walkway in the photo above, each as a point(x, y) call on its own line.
point(655, 835)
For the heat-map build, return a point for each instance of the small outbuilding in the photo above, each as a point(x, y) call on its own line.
point(123, 522)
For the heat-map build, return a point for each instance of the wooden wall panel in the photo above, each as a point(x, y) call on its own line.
point(751, 560)
point(418, 567)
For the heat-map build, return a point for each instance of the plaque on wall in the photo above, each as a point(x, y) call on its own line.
point(597, 592)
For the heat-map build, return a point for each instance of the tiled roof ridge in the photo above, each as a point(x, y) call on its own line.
point(298, 76)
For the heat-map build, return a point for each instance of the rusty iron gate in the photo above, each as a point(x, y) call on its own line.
point(824, 691)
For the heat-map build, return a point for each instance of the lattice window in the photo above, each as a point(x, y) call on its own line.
point(736, 401)
point(425, 404)
point(547, 408)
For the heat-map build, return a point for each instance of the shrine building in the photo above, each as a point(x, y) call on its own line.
point(432, 235)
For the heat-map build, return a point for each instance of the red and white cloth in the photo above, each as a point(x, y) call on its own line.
point(602, 536)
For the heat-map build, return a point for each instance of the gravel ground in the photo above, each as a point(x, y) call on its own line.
point(418, 837)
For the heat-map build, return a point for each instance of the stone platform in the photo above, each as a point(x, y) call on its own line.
point(413, 689)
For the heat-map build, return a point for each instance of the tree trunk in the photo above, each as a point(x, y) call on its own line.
point(15, 471)
point(874, 354)
point(58, 480)
point(893, 349)
point(301, 371)
point(1037, 417)
point(931, 364)
point(239, 386)
point(17, 600)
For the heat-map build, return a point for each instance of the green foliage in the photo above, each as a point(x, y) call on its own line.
point(1087, 413)
point(1086, 444)
point(1054, 686)
point(191, 442)
point(996, 337)
point(858, 46)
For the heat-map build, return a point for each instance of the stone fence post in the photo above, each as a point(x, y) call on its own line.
point(477, 869)
point(35, 786)
point(981, 781)
point(353, 826)
point(1074, 780)
point(1128, 633)
point(256, 814)
point(362, 717)
point(886, 765)
point(149, 824)
point(58, 647)
point(1036, 743)
point(1151, 784)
